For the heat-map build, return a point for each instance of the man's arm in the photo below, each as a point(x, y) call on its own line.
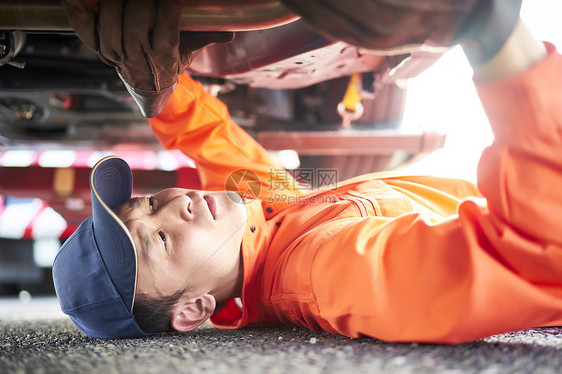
point(496, 266)
point(199, 125)
point(521, 172)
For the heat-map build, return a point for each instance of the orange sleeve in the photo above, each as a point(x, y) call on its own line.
point(199, 125)
point(494, 267)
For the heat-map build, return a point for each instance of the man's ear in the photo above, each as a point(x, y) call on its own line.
point(190, 314)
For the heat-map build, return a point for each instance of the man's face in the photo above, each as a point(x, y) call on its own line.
point(185, 238)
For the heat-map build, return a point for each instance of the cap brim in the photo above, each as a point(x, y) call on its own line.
point(111, 183)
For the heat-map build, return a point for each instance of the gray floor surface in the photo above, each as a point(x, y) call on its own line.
point(37, 338)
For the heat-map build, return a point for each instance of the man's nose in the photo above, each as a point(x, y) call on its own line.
point(179, 207)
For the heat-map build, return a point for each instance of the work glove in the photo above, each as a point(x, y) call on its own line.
point(487, 29)
point(399, 26)
point(142, 40)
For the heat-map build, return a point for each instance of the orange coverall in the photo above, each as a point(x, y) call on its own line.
point(396, 257)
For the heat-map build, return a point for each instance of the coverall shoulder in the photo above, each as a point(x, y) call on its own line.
point(390, 256)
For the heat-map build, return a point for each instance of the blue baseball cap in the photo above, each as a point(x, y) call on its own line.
point(95, 271)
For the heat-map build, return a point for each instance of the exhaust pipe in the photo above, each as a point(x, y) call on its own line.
point(196, 15)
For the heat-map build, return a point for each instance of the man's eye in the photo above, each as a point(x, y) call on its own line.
point(151, 204)
point(163, 237)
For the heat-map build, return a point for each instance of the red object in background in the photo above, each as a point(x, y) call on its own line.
point(67, 190)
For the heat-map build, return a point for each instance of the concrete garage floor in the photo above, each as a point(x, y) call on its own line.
point(35, 337)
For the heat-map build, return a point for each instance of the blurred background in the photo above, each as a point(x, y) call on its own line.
point(443, 99)
point(311, 102)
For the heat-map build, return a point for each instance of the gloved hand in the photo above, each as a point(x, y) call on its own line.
point(403, 25)
point(142, 40)
point(487, 29)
